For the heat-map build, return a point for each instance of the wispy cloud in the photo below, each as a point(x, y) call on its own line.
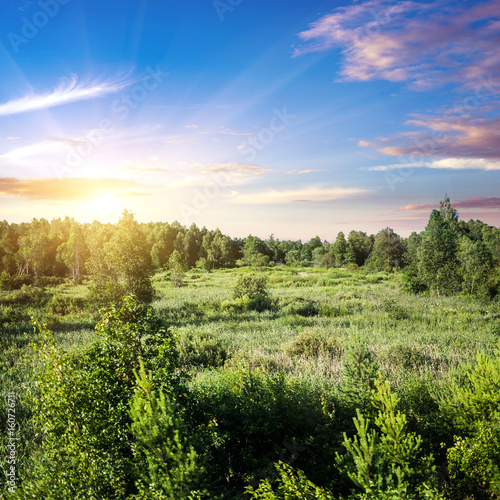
point(237, 169)
point(68, 142)
point(475, 203)
point(444, 136)
point(444, 164)
point(302, 172)
point(67, 188)
point(226, 131)
point(304, 194)
point(69, 90)
point(426, 44)
point(180, 140)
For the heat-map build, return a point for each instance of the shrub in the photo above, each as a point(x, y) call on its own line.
point(82, 410)
point(251, 415)
point(412, 282)
point(28, 294)
point(9, 315)
point(310, 344)
point(260, 303)
point(201, 349)
point(495, 329)
point(62, 305)
point(252, 360)
point(5, 281)
point(471, 400)
point(302, 307)
point(386, 461)
point(251, 286)
point(394, 310)
point(404, 356)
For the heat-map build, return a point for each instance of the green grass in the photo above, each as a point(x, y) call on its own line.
point(411, 337)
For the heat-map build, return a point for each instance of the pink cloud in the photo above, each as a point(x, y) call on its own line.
point(447, 137)
point(426, 44)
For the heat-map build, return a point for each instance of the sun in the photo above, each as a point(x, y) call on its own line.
point(105, 202)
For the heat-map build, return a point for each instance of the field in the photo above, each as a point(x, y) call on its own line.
point(314, 317)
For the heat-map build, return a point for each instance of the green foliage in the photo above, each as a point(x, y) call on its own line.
point(177, 266)
point(471, 401)
point(161, 446)
point(403, 356)
point(82, 411)
point(412, 281)
point(28, 294)
point(251, 286)
point(289, 484)
point(251, 415)
point(386, 461)
point(387, 253)
point(309, 344)
point(360, 372)
point(495, 329)
point(300, 306)
point(201, 349)
point(393, 309)
point(62, 305)
point(121, 265)
point(437, 255)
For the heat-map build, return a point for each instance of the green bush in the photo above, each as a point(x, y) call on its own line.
point(9, 315)
point(403, 356)
point(253, 360)
point(251, 285)
point(260, 303)
point(201, 349)
point(385, 460)
point(412, 281)
point(61, 305)
point(310, 344)
point(394, 310)
point(249, 416)
point(5, 281)
point(495, 329)
point(301, 307)
point(82, 411)
point(471, 400)
point(28, 294)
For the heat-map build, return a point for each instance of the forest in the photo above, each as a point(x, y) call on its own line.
point(157, 361)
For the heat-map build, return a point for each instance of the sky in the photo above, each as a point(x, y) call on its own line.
point(260, 117)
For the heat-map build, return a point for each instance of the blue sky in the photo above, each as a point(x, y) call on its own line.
point(285, 117)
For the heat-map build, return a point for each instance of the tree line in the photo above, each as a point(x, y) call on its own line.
point(449, 256)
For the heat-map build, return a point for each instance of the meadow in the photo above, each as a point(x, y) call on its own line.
point(312, 318)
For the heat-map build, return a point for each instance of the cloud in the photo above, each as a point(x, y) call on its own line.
point(309, 171)
point(426, 44)
point(192, 126)
point(69, 90)
point(238, 169)
point(227, 131)
point(66, 188)
point(145, 168)
point(180, 140)
point(55, 149)
point(444, 164)
point(68, 142)
point(445, 136)
point(23, 155)
point(302, 195)
point(476, 202)
point(13, 138)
